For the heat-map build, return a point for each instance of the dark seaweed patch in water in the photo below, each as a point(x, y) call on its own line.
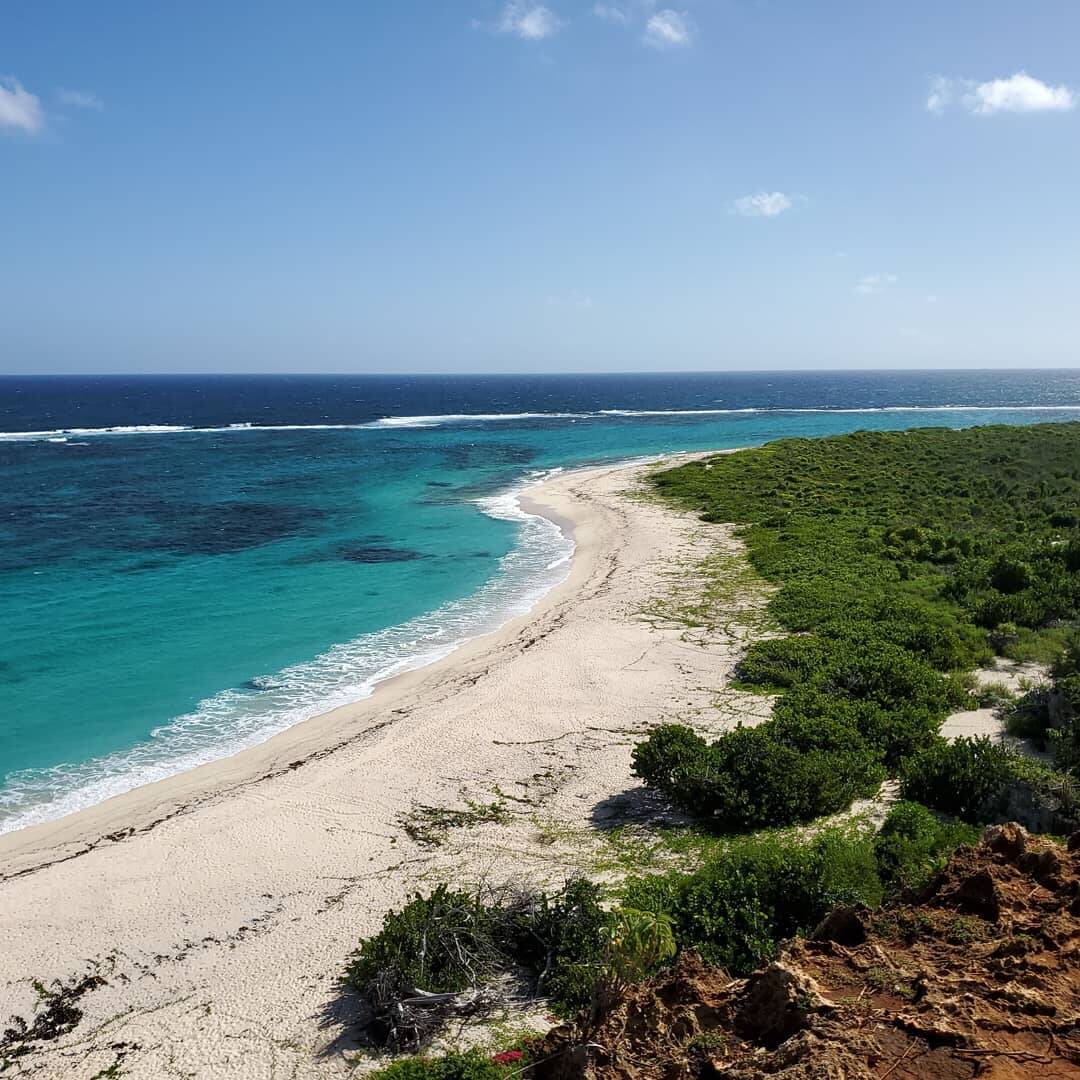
point(223, 528)
point(9, 675)
point(376, 554)
point(144, 564)
point(439, 483)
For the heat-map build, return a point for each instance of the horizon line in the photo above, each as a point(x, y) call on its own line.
point(519, 374)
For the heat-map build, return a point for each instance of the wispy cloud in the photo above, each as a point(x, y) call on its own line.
point(19, 109)
point(530, 22)
point(875, 283)
point(763, 204)
point(80, 99)
point(612, 13)
point(624, 12)
point(669, 29)
point(1019, 93)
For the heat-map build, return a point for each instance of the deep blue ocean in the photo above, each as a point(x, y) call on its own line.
point(191, 564)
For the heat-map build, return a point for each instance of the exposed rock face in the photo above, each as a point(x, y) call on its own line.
point(1040, 811)
point(982, 978)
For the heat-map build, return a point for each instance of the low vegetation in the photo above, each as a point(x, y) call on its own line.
point(1049, 713)
point(913, 846)
point(475, 1064)
point(902, 560)
point(779, 773)
point(756, 891)
point(443, 954)
point(981, 781)
point(451, 953)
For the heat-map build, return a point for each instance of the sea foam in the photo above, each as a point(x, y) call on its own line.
point(435, 420)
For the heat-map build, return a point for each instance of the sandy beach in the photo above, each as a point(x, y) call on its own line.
point(219, 905)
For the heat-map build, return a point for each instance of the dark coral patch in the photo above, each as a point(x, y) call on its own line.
point(378, 554)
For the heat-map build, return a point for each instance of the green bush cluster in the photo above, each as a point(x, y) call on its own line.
point(901, 559)
point(894, 699)
point(452, 940)
point(914, 845)
point(758, 890)
point(779, 773)
point(929, 537)
point(748, 895)
point(1050, 715)
point(968, 778)
point(457, 1065)
point(781, 663)
point(562, 938)
point(441, 943)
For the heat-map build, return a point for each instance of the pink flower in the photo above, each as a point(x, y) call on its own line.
point(507, 1057)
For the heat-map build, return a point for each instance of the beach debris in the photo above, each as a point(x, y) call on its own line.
point(58, 1013)
point(429, 826)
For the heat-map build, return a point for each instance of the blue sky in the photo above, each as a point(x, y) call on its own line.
point(475, 185)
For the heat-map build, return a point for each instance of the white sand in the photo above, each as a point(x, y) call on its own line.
point(989, 722)
point(221, 904)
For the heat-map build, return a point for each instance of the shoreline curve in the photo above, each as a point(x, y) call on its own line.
point(143, 808)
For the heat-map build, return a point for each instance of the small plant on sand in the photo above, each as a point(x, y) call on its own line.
point(429, 826)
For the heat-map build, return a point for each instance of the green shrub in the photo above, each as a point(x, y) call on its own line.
point(893, 733)
point(465, 1065)
point(1067, 734)
point(442, 943)
point(1028, 717)
point(759, 890)
point(782, 662)
point(1003, 636)
point(563, 937)
point(673, 759)
point(914, 845)
point(896, 556)
point(450, 941)
point(960, 778)
point(776, 774)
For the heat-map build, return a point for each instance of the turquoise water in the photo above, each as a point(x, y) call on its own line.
point(174, 594)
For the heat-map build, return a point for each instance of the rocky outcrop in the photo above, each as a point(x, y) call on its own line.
point(980, 978)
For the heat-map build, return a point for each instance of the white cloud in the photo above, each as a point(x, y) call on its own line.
point(1020, 93)
point(941, 93)
point(19, 109)
point(80, 99)
point(875, 283)
point(669, 29)
point(763, 204)
point(530, 22)
point(611, 13)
